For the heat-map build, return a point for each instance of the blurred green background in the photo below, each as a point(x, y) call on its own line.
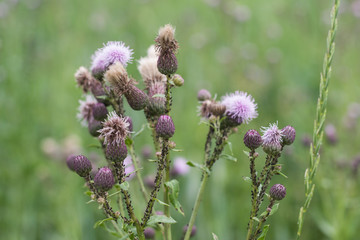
point(271, 49)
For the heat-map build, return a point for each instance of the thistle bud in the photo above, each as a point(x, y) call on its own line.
point(272, 148)
point(94, 126)
point(156, 91)
point(193, 230)
point(288, 135)
point(82, 165)
point(167, 63)
point(178, 80)
point(136, 98)
point(203, 95)
point(99, 111)
point(165, 127)
point(149, 233)
point(116, 153)
point(104, 179)
point(277, 192)
point(70, 161)
point(252, 139)
point(217, 109)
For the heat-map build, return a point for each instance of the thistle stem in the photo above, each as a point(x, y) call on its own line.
point(138, 173)
point(254, 192)
point(167, 163)
point(263, 219)
point(204, 180)
point(319, 118)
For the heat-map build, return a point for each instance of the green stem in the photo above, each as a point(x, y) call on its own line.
point(263, 219)
point(254, 192)
point(167, 226)
point(319, 118)
point(196, 206)
point(138, 173)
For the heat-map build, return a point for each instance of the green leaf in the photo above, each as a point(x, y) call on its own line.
point(247, 179)
point(124, 186)
point(101, 222)
point(177, 150)
point(161, 202)
point(274, 209)
point(201, 167)
point(89, 193)
point(160, 219)
point(264, 232)
point(159, 95)
point(228, 157)
point(174, 189)
point(94, 146)
point(140, 131)
point(256, 219)
point(231, 149)
point(214, 236)
point(128, 141)
point(103, 97)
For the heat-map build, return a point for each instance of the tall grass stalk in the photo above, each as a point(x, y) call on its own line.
point(321, 109)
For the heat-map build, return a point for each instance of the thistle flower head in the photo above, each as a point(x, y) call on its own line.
point(94, 126)
point(129, 168)
point(82, 165)
point(165, 127)
point(116, 153)
point(203, 95)
point(167, 63)
point(288, 135)
point(85, 113)
point(252, 139)
point(180, 167)
point(115, 129)
point(70, 160)
point(136, 98)
point(166, 39)
point(104, 179)
point(277, 192)
point(156, 104)
point(204, 109)
point(84, 79)
point(272, 139)
point(99, 111)
point(240, 106)
point(111, 53)
point(117, 77)
point(149, 233)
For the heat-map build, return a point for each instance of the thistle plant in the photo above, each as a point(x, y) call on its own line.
point(108, 86)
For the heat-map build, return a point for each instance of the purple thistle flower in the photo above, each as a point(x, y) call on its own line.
point(116, 153)
point(104, 179)
point(129, 168)
point(277, 192)
point(82, 165)
point(204, 109)
point(272, 139)
point(99, 111)
point(289, 134)
point(70, 162)
point(240, 106)
point(180, 167)
point(115, 129)
point(111, 52)
point(252, 139)
point(85, 114)
point(203, 95)
point(165, 127)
